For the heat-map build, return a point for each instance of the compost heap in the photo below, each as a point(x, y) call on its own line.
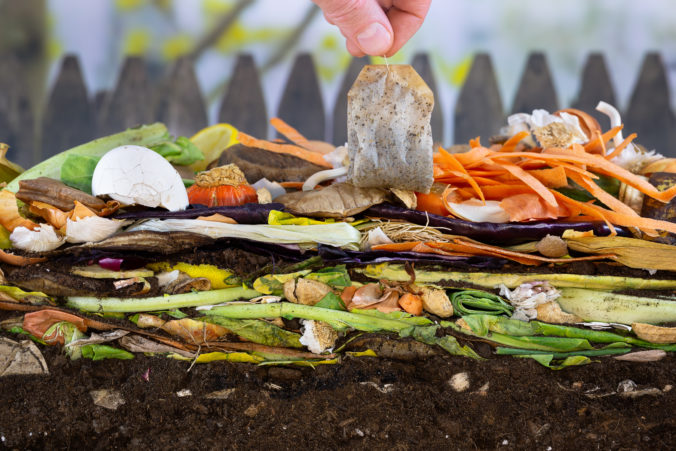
point(554, 242)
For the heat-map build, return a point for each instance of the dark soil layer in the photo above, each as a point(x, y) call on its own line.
point(365, 403)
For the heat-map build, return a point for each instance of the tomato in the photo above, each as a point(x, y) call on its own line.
point(222, 195)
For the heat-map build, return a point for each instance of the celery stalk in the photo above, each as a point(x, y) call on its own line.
point(168, 302)
point(357, 321)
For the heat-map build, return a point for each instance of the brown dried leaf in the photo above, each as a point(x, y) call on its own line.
point(339, 200)
point(550, 312)
point(654, 334)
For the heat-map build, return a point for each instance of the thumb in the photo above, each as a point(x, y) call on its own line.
point(362, 22)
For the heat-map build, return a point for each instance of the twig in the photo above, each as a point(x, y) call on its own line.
point(289, 43)
point(283, 50)
point(221, 27)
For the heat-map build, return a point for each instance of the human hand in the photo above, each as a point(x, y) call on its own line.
point(375, 27)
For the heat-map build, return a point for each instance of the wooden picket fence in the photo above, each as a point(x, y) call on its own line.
point(72, 115)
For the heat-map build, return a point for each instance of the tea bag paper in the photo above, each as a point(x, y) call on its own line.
point(388, 127)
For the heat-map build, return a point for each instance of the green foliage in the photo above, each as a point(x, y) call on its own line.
point(331, 301)
point(258, 331)
point(181, 152)
point(467, 302)
point(101, 352)
point(77, 172)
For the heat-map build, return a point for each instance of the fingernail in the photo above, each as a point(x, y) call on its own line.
point(375, 39)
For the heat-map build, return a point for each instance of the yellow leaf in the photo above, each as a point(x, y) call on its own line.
point(367, 353)
point(241, 357)
point(176, 46)
point(217, 276)
point(128, 5)
point(216, 7)
point(460, 71)
point(137, 42)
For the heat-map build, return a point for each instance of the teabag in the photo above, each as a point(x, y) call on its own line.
point(388, 129)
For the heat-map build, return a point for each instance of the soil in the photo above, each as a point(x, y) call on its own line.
point(371, 403)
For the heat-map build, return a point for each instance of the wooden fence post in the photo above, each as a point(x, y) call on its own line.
point(479, 110)
point(131, 103)
point(649, 113)
point(340, 107)
point(421, 63)
point(68, 119)
point(596, 86)
point(180, 104)
point(301, 105)
point(536, 89)
point(243, 104)
point(16, 114)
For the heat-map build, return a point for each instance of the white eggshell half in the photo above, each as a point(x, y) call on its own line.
point(138, 175)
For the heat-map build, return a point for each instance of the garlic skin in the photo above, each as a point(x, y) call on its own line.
point(528, 296)
point(92, 229)
point(540, 119)
point(41, 239)
point(138, 175)
point(318, 336)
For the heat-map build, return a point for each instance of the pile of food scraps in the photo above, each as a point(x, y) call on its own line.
point(555, 242)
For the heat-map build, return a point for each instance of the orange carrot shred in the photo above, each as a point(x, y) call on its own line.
point(621, 147)
point(288, 131)
point(290, 149)
point(453, 162)
point(511, 143)
point(531, 181)
point(600, 141)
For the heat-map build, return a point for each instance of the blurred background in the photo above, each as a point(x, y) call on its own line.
point(103, 33)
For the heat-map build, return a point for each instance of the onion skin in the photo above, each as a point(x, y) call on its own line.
point(588, 123)
point(222, 195)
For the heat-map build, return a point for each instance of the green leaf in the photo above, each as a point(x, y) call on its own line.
point(404, 317)
point(331, 301)
point(481, 325)
point(467, 302)
point(77, 171)
point(141, 136)
point(31, 297)
point(258, 331)
point(607, 350)
point(175, 313)
point(335, 276)
point(20, 331)
point(517, 334)
point(428, 335)
point(274, 283)
point(182, 152)
point(5, 242)
point(546, 360)
point(101, 352)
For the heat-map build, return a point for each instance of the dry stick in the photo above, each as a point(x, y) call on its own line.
point(286, 46)
point(224, 25)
